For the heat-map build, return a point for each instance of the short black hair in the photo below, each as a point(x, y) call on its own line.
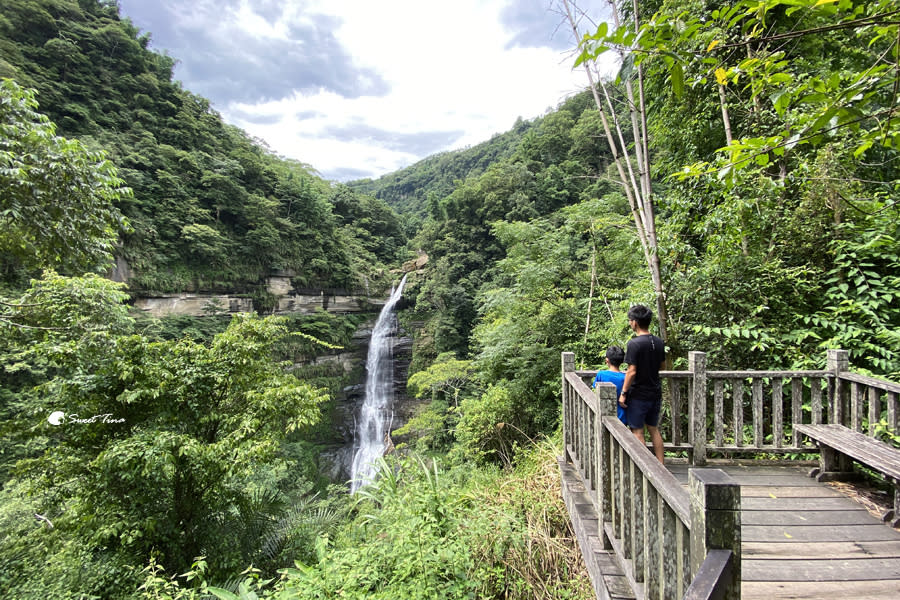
point(641, 314)
point(615, 356)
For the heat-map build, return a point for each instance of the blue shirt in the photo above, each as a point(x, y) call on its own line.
point(617, 378)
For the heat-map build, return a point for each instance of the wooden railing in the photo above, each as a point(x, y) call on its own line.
point(739, 412)
point(670, 543)
point(861, 403)
point(641, 507)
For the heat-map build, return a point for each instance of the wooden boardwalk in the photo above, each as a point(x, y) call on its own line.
point(801, 539)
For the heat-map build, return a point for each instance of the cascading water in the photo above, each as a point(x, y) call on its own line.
point(377, 409)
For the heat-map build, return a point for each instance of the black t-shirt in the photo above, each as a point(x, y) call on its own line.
point(646, 352)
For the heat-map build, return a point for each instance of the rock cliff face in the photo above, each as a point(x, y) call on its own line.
point(287, 299)
point(194, 305)
point(336, 459)
point(197, 305)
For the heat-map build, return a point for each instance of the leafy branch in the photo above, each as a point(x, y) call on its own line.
point(854, 24)
point(776, 148)
point(8, 320)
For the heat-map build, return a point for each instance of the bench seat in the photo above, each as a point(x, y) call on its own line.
point(839, 446)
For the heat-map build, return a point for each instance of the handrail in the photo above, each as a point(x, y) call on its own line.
point(661, 478)
point(591, 373)
point(659, 532)
point(707, 585)
point(751, 411)
point(582, 388)
point(755, 373)
point(882, 384)
point(710, 411)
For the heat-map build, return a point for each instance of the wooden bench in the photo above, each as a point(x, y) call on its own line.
point(839, 446)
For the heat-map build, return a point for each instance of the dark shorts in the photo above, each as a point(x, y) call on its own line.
point(642, 412)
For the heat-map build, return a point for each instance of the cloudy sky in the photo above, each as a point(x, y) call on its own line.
point(360, 88)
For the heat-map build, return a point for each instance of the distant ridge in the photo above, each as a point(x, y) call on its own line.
point(408, 189)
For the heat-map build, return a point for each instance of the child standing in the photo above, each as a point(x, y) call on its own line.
point(614, 358)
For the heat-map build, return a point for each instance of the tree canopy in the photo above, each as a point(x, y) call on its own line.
point(211, 208)
point(59, 201)
point(769, 143)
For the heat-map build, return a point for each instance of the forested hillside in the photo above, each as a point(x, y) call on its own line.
point(211, 208)
point(771, 184)
point(172, 438)
point(411, 190)
point(127, 439)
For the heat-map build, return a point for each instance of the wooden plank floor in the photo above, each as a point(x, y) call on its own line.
point(805, 540)
point(607, 578)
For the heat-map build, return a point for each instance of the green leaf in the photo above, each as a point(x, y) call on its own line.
point(781, 100)
point(677, 75)
point(222, 594)
point(581, 58)
point(861, 149)
point(602, 30)
point(781, 78)
point(834, 81)
point(627, 68)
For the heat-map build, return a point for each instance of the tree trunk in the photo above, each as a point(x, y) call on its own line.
point(726, 120)
point(639, 194)
point(587, 321)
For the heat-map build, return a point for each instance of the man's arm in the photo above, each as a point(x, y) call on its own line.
point(626, 385)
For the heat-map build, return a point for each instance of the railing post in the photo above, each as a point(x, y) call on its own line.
point(837, 361)
point(568, 365)
point(716, 522)
point(697, 366)
point(606, 406)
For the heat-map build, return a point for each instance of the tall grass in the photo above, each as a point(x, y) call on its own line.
point(426, 531)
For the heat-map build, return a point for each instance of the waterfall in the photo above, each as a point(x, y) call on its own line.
point(374, 420)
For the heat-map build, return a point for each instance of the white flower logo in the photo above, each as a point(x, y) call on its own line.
point(56, 417)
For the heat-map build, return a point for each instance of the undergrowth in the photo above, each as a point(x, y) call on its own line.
point(429, 532)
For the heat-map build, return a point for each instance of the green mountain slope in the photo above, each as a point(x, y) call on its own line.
point(409, 189)
point(211, 209)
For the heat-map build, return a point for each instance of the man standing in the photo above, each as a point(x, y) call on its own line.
point(642, 391)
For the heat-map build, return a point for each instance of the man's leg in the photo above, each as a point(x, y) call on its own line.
point(656, 439)
point(639, 434)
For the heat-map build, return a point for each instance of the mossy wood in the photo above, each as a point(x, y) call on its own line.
point(644, 516)
point(673, 542)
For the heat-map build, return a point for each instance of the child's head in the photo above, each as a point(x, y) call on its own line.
point(641, 315)
point(615, 356)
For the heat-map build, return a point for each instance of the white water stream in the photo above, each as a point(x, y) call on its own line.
point(377, 410)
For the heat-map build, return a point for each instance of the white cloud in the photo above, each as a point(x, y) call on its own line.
point(447, 68)
point(442, 71)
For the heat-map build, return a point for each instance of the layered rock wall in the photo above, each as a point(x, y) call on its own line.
point(287, 299)
point(198, 305)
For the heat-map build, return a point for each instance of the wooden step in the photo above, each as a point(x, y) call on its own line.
point(608, 580)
